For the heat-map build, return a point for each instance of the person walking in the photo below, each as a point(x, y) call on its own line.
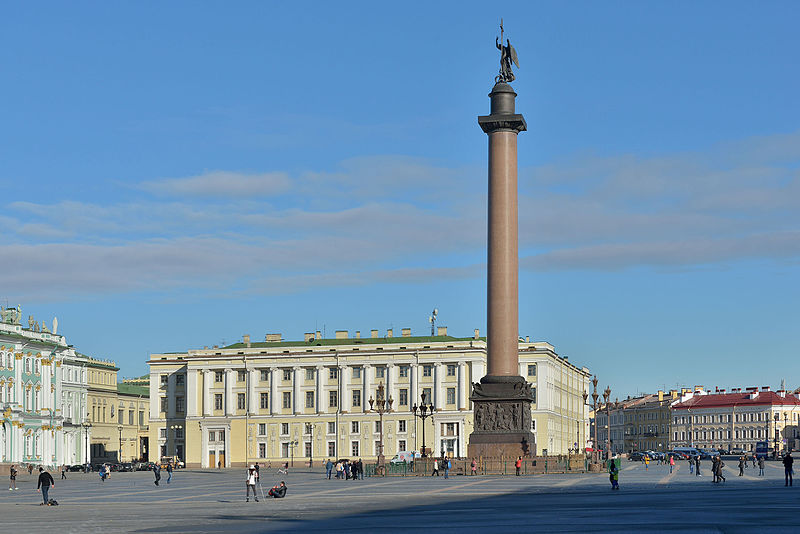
point(446, 465)
point(328, 468)
point(435, 467)
point(720, 465)
point(741, 466)
point(45, 481)
point(788, 461)
point(474, 468)
point(339, 470)
point(157, 473)
point(250, 483)
point(754, 461)
point(169, 472)
point(613, 475)
point(518, 464)
point(671, 464)
point(697, 465)
point(63, 472)
point(761, 466)
point(691, 465)
point(258, 473)
point(12, 478)
point(360, 469)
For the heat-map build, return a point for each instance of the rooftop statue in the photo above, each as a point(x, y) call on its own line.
point(507, 56)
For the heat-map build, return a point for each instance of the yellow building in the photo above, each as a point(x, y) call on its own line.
point(278, 400)
point(118, 414)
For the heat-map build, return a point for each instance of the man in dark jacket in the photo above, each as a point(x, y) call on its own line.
point(278, 491)
point(45, 481)
point(157, 473)
point(787, 467)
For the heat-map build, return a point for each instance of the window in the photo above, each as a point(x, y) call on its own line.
point(262, 429)
point(284, 429)
point(179, 379)
point(533, 394)
point(121, 416)
point(401, 445)
point(262, 450)
point(354, 427)
point(333, 399)
point(532, 369)
point(287, 375)
point(163, 404)
point(309, 399)
point(332, 449)
point(284, 450)
point(451, 369)
point(264, 375)
point(287, 399)
point(241, 376)
point(427, 370)
point(130, 417)
point(428, 395)
point(354, 448)
point(403, 401)
point(380, 372)
point(451, 395)
point(218, 401)
point(211, 436)
point(356, 372)
point(377, 427)
point(309, 374)
point(331, 427)
point(403, 371)
point(162, 433)
point(401, 426)
point(333, 373)
point(264, 397)
point(217, 376)
point(240, 402)
point(221, 435)
point(356, 398)
point(180, 404)
point(141, 417)
point(308, 449)
point(164, 380)
point(179, 433)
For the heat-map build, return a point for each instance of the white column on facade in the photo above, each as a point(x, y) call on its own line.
point(296, 377)
point(345, 398)
point(391, 384)
point(208, 377)
point(252, 397)
point(413, 381)
point(438, 381)
point(155, 398)
point(191, 393)
point(229, 381)
point(366, 379)
point(45, 378)
point(273, 390)
point(18, 389)
point(170, 395)
point(320, 389)
point(462, 394)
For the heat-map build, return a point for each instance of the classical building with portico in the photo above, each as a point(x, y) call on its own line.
point(277, 400)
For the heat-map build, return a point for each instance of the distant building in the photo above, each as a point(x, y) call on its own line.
point(279, 399)
point(636, 424)
point(736, 420)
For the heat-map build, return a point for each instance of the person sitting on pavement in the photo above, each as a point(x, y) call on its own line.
point(278, 491)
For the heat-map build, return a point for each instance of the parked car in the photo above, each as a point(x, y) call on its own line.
point(144, 466)
point(404, 456)
point(737, 451)
point(635, 456)
point(76, 468)
point(126, 466)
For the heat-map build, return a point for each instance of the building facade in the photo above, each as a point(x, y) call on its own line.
point(737, 419)
point(279, 400)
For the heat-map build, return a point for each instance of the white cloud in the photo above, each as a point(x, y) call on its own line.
point(222, 184)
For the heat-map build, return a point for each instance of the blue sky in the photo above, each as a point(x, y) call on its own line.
point(174, 175)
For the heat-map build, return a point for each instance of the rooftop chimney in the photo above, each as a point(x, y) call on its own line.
point(308, 336)
point(441, 331)
point(373, 334)
point(358, 334)
point(246, 339)
point(390, 333)
point(318, 335)
point(341, 334)
point(273, 338)
point(527, 339)
point(477, 333)
point(660, 395)
point(405, 332)
point(764, 388)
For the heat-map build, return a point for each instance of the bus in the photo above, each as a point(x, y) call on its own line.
point(763, 450)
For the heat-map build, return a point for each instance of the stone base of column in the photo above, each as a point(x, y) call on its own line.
point(502, 418)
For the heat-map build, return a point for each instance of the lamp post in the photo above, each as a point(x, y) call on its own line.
point(86, 426)
point(785, 433)
point(423, 411)
point(606, 398)
point(381, 405)
point(311, 440)
point(594, 407)
point(292, 445)
point(175, 429)
point(119, 456)
point(775, 448)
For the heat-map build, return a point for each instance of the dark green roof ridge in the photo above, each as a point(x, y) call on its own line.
point(353, 341)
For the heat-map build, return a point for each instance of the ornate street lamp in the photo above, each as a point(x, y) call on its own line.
point(606, 398)
point(86, 426)
point(423, 411)
point(775, 448)
point(594, 407)
point(119, 456)
point(381, 405)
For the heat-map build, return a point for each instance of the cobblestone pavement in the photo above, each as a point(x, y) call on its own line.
point(213, 501)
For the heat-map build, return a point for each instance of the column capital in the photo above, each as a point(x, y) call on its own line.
point(367, 365)
point(320, 367)
point(389, 365)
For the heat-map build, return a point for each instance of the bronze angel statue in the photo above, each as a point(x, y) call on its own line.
point(507, 56)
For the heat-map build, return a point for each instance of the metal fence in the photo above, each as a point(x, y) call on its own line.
point(536, 465)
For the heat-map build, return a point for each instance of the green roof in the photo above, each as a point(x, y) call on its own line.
point(128, 389)
point(355, 341)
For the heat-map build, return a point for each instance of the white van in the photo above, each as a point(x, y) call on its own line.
point(691, 451)
point(404, 456)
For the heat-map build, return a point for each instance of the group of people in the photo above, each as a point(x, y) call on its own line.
point(253, 479)
point(345, 469)
point(444, 463)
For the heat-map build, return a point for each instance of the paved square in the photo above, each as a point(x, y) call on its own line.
point(213, 501)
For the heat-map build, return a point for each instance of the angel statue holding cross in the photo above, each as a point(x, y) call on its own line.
point(507, 56)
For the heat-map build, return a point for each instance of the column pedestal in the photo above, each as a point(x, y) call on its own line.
point(502, 418)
